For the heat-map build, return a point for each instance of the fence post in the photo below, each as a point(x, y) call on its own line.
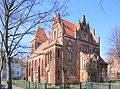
point(45, 85)
point(110, 84)
point(89, 85)
point(64, 86)
point(80, 86)
point(38, 85)
point(28, 84)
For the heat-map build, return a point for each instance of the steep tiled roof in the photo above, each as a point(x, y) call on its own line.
point(39, 50)
point(54, 42)
point(44, 45)
point(69, 27)
point(102, 61)
point(90, 56)
point(40, 35)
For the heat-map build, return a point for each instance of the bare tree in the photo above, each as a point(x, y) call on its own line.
point(114, 41)
point(18, 18)
point(114, 52)
point(91, 68)
point(1, 60)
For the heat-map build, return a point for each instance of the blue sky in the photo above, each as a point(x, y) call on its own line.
point(102, 21)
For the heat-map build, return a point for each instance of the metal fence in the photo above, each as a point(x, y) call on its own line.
point(94, 85)
point(67, 86)
point(90, 85)
point(33, 85)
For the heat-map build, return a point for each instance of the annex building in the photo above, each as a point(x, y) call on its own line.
point(63, 54)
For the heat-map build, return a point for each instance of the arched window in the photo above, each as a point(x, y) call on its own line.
point(58, 72)
point(69, 53)
point(69, 58)
point(31, 70)
point(39, 68)
point(42, 67)
point(103, 73)
point(29, 66)
point(36, 66)
point(82, 47)
point(54, 34)
point(87, 48)
point(82, 63)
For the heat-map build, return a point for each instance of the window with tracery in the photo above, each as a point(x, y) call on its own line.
point(69, 58)
point(29, 69)
point(42, 67)
point(36, 66)
point(84, 36)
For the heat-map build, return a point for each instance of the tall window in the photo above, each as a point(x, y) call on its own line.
point(82, 76)
point(58, 53)
point(54, 34)
point(32, 69)
point(36, 66)
point(82, 63)
point(42, 67)
point(50, 55)
point(70, 60)
point(87, 48)
point(103, 73)
point(84, 37)
point(69, 53)
point(32, 48)
point(29, 69)
point(58, 77)
point(39, 69)
point(46, 60)
point(82, 47)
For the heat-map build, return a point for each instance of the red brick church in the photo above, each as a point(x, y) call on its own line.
point(62, 55)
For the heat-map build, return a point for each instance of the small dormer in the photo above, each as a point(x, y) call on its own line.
point(38, 39)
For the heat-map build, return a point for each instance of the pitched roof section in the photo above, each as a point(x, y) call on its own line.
point(102, 61)
point(39, 50)
point(52, 43)
point(69, 28)
point(44, 45)
point(40, 35)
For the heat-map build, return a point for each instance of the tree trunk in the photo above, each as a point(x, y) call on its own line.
point(9, 75)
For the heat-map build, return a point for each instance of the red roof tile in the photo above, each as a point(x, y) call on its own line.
point(44, 45)
point(39, 50)
point(69, 28)
point(54, 42)
point(40, 35)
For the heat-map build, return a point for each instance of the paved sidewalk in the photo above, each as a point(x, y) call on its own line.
point(4, 86)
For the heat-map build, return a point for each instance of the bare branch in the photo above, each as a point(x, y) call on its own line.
point(101, 6)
